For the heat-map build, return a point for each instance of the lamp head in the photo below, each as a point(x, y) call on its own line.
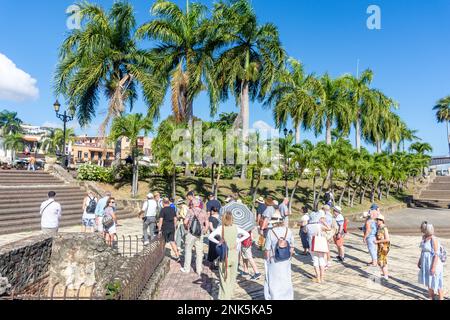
point(57, 106)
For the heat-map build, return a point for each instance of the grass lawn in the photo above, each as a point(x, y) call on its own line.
point(304, 194)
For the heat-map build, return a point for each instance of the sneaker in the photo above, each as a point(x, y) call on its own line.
point(184, 270)
point(256, 277)
point(146, 243)
point(243, 274)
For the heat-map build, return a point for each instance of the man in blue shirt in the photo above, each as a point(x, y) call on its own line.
point(212, 203)
point(100, 211)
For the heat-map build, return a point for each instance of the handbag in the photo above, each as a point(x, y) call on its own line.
point(319, 244)
point(222, 252)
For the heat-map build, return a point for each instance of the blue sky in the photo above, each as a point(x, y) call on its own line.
point(409, 55)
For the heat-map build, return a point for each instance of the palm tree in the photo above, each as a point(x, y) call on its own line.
point(294, 95)
point(442, 109)
point(9, 122)
point(184, 55)
point(14, 142)
point(104, 56)
point(333, 108)
point(130, 127)
point(253, 53)
point(421, 148)
point(361, 96)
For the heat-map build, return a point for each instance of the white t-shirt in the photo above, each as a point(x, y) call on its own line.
point(50, 214)
point(150, 208)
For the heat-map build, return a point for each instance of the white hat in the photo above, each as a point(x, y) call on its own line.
point(276, 217)
point(337, 209)
point(275, 203)
point(150, 196)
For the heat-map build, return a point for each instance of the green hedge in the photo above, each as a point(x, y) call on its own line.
point(95, 173)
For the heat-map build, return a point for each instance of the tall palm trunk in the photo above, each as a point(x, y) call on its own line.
point(135, 172)
point(174, 183)
point(393, 147)
point(328, 134)
point(358, 132)
point(297, 134)
point(245, 114)
point(255, 191)
point(378, 146)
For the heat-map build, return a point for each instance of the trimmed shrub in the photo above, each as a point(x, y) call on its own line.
point(89, 172)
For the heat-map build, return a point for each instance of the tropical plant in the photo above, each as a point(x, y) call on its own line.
point(13, 142)
point(183, 55)
point(294, 95)
point(131, 126)
point(421, 148)
point(442, 109)
point(103, 56)
point(9, 123)
point(54, 140)
point(252, 54)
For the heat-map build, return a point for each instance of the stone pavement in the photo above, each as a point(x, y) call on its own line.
point(352, 280)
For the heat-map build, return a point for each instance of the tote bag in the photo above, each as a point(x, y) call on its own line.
point(319, 244)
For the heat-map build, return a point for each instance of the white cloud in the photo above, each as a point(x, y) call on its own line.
point(262, 126)
point(15, 84)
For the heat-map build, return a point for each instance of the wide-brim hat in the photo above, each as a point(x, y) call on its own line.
point(381, 217)
point(276, 217)
point(260, 200)
point(337, 209)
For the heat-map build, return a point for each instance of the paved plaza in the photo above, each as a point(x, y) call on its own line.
point(352, 280)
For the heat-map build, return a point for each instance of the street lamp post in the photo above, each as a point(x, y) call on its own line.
point(65, 118)
point(286, 163)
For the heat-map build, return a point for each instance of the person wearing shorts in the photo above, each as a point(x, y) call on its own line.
point(88, 219)
point(317, 226)
point(168, 225)
point(340, 234)
point(247, 257)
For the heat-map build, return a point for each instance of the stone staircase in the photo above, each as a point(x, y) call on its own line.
point(22, 192)
point(436, 195)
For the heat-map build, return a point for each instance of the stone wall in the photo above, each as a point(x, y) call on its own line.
point(26, 262)
point(81, 264)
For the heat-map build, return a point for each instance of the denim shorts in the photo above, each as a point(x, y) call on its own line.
point(88, 223)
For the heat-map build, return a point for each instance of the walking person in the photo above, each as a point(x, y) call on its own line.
point(167, 226)
point(89, 206)
point(181, 231)
point(339, 236)
point(32, 164)
point(431, 273)
point(247, 258)
point(304, 232)
point(212, 203)
point(318, 244)
point(110, 221)
point(384, 245)
point(232, 235)
point(50, 215)
point(279, 249)
point(370, 236)
point(284, 210)
point(265, 222)
point(148, 215)
point(330, 234)
point(261, 207)
point(214, 223)
point(100, 211)
point(196, 223)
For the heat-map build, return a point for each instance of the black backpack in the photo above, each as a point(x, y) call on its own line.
point(92, 205)
point(196, 228)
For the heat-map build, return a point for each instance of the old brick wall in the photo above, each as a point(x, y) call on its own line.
point(26, 261)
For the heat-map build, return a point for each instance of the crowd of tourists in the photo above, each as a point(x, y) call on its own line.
point(192, 222)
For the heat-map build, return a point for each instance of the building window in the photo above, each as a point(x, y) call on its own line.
point(86, 155)
point(92, 155)
point(80, 154)
point(100, 155)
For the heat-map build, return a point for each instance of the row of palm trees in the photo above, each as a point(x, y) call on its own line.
point(442, 109)
point(225, 51)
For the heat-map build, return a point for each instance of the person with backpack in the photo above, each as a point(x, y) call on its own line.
point(341, 231)
point(100, 211)
point(214, 222)
point(88, 219)
point(384, 244)
point(110, 221)
point(230, 238)
point(431, 262)
point(279, 249)
point(196, 224)
point(316, 229)
point(247, 258)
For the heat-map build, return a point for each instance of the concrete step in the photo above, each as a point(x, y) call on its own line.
point(442, 179)
point(439, 186)
point(438, 195)
point(432, 203)
point(39, 192)
point(30, 183)
point(64, 223)
point(14, 210)
point(22, 199)
point(33, 217)
point(21, 205)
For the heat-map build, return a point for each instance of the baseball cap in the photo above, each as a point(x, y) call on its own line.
point(374, 207)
